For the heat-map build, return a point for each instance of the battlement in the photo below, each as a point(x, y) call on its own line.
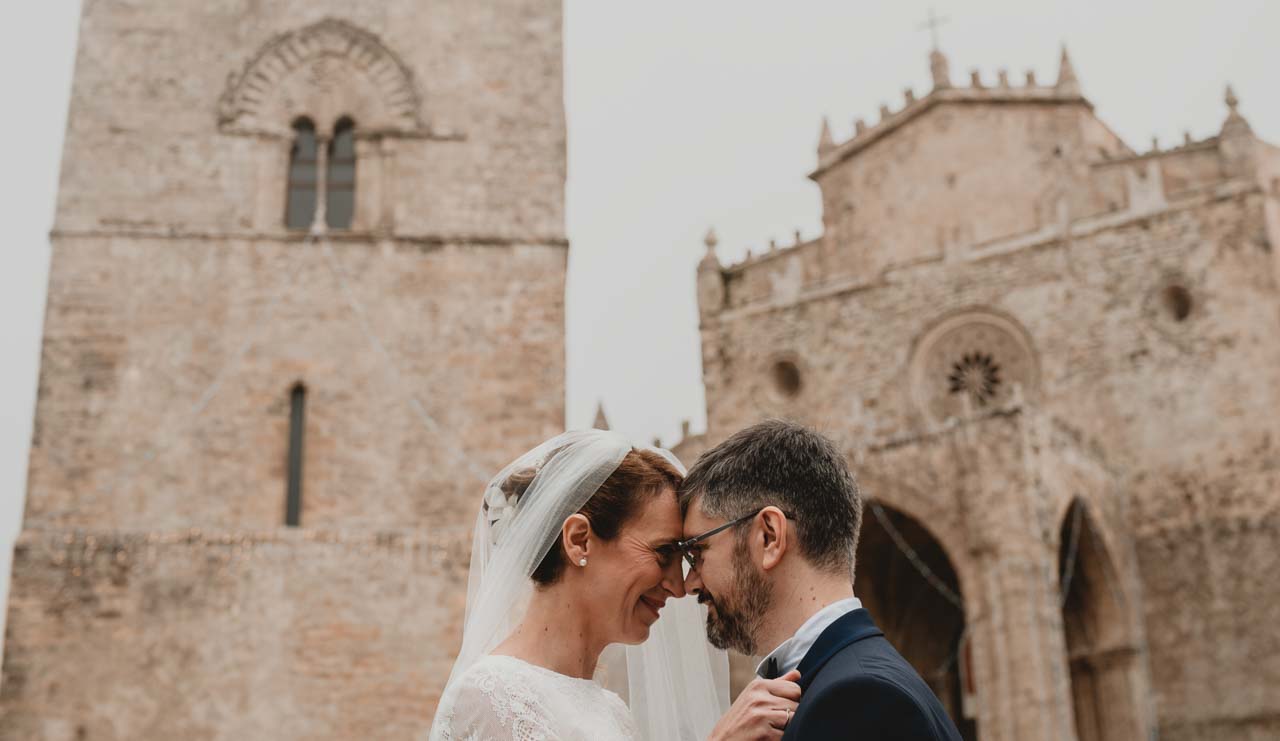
point(772, 253)
point(984, 169)
point(1066, 91)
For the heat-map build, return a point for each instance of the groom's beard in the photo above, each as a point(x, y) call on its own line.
point(735, 619)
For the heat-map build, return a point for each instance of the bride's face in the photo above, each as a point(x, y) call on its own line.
point(632, 576)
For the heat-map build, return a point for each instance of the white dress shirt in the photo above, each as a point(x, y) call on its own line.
point(789, 653)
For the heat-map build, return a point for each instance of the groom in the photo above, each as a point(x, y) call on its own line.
point(771, 524)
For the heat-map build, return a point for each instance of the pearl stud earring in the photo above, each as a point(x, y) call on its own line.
point(583, 562)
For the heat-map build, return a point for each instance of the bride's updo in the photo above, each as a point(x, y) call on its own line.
point(642, 475)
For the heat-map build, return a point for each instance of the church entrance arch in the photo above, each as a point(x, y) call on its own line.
point(1100, 651)
point(907, 582)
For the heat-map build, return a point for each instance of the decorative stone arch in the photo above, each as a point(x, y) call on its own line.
point(1098, 522)
point(972, 361)
point(883, 487)
point(325, 71)
point(1100, 634)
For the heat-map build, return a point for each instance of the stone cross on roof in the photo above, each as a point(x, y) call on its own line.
point(932, 24)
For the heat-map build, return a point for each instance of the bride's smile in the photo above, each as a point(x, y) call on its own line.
point(652, 604)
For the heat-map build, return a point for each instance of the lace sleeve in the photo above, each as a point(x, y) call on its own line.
point(488, 705)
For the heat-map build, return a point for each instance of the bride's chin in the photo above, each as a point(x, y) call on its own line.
point(641, 635)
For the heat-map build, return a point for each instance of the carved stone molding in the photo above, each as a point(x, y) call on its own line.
point(324, 71)
point(969, 363)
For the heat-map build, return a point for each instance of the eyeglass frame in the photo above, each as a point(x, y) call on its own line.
point(684, 545)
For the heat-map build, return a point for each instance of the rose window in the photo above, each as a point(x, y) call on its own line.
point(970, 363)
point(977, 375)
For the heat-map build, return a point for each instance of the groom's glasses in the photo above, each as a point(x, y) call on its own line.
point(687, 547)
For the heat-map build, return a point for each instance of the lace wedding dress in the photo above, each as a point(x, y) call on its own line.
point(501, 698)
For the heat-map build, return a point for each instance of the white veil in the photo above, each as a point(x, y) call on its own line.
point(675, 683)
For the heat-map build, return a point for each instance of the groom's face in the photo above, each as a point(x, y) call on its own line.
point(728, 582)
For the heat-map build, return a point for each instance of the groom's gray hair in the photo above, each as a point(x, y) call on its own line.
point(793, 468)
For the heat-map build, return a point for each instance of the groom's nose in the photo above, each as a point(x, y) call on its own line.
point(673, 580)
point(692, 582)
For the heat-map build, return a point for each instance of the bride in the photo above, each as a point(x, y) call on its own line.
point(575, 550)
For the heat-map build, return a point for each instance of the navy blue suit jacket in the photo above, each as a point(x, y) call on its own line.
point(856, 686)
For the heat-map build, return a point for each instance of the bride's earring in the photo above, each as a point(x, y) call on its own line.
point(582, 561)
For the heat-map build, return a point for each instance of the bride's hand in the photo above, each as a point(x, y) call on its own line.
point(761, 712)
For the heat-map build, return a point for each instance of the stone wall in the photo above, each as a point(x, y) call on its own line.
point(233, 636)
point(962, 167)
point(174, 279)
point(140, 330)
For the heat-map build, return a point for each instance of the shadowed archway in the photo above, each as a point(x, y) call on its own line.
point(1099, 650)
point(906, 581)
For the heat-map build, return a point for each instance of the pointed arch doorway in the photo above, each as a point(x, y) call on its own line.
point(907, 582)
point(1100, 649)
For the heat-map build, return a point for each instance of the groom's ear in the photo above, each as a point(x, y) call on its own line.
point(575, 534)
point(777, 539)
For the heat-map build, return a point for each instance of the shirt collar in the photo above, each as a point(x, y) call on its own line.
point(789, 653)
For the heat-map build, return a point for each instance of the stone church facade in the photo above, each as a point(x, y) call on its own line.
point(1054, 364)
point(307, 292)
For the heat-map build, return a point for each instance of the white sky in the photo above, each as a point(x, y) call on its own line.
point(684, 116)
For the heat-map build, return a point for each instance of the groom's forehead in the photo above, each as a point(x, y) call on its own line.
point(694, 519)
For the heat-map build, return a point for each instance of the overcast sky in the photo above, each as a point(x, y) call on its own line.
point(682, 116)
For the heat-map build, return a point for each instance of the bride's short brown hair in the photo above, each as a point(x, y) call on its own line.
point(642, 475)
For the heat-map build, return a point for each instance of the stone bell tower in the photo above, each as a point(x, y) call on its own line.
point(307, 289)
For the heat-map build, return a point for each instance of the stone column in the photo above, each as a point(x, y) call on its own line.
point(1015, 620)
point(1019, 661)
point(388, 194)
point(318, 224)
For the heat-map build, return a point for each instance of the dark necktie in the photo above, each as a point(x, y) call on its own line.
point(771, 668)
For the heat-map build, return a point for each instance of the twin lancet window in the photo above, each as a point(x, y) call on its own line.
point(320, 166)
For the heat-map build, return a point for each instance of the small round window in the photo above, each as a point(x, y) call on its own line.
point(1177, 301)
point(786, 378)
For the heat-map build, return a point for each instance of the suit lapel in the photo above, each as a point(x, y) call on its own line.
point(851, 627)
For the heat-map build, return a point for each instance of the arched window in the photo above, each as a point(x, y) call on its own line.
point(340, 176)
point(300, 209)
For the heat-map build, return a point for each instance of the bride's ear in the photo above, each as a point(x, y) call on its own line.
point(575, 535)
